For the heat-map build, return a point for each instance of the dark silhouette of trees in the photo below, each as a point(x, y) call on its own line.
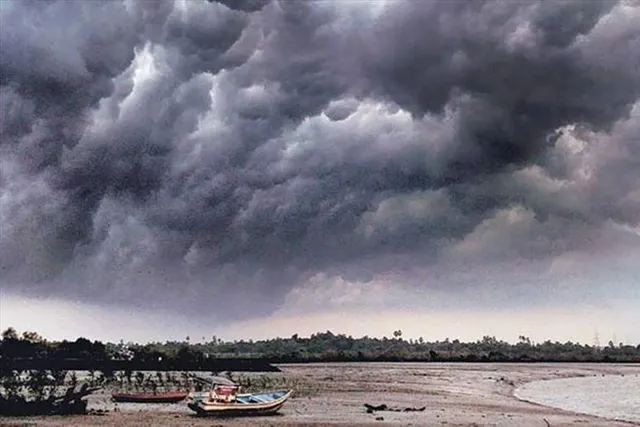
point(321, 346)
point(327, 346)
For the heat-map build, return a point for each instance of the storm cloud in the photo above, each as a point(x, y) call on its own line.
point(220, 154)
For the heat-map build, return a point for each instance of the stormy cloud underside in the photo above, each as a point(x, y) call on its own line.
point(236, 155)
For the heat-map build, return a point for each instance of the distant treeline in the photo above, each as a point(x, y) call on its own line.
point(32, 352)
point(218, 355)
point(330, 347)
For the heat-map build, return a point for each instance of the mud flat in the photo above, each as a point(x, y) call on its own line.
point(457, 394)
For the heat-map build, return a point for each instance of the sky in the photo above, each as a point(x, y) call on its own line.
point(259, 168)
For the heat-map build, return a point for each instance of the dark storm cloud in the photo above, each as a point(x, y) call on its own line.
point(58, 69)
point(244, 5)
point(514, 73)
point(167, 153)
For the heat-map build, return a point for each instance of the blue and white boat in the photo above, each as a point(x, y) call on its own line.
point(224, 400)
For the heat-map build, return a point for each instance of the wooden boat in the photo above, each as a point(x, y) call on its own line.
point(224, 401)
point(149, 397)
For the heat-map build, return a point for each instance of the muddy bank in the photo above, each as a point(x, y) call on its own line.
point(336, 394)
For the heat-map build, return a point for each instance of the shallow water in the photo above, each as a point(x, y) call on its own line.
point(611, 396)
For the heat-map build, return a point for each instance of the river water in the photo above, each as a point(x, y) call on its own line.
point(611, 396)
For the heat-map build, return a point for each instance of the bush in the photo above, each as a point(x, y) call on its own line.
point(44, 392)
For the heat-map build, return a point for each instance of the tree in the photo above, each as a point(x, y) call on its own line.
point(523, 340)
point(10, 334)
point(32, 337)
point(397, 334)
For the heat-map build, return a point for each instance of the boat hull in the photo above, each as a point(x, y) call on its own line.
point(238, 409)
point(149, 398)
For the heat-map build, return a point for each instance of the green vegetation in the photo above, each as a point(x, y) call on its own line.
point(31, 351)
point(320, 347)
point(41, 391)
point(44, 392)
point(329, 347)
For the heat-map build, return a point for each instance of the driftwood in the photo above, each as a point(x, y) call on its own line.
point(373, 408)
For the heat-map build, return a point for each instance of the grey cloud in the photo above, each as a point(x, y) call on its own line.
point(511, 72)
point(243, 5)
point(341, 109)
point(179, 154)
point(59, 70)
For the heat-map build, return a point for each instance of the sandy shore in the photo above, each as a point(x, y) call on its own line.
point(335, 394)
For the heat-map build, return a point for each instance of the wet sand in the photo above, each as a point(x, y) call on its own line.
point(335, 394)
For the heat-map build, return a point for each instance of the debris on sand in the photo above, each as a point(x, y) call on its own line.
point(373, 408)
point(506, 381)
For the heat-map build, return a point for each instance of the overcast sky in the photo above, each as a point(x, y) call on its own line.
point(257, 168)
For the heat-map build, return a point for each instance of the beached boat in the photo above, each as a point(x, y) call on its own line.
point(149, 397)
point(224, 401)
